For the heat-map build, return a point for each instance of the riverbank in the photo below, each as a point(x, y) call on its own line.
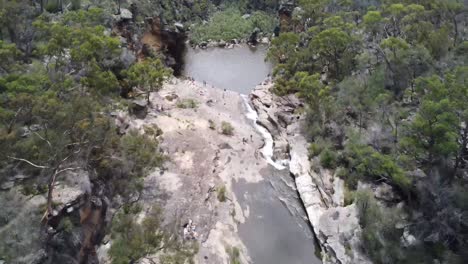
point(335, 225)
point(203, 164)
point(205, 161)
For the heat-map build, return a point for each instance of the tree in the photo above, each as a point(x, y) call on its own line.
point(316, 94)
point(148, 76)
point(372, 21)
point(457, 81)
point(283, 47)
point(8, 56)
point(432, 134)
point(333, 45)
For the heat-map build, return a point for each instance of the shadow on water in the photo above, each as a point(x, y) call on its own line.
point(277, 230)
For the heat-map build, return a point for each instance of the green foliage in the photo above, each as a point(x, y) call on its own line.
point(316, 147)
point(283, 47)
point(431, 134)
point(211, 124)
point(75, 4)
point(141, 151)
point(148, 76)
point(187, 104)
point(227, 129)
point(334, 47)
point(8, 56)
point(221, 194)
point(328, 159)
point(53, 6)
point(234, 255)
point(229, 24)
point(131, 241)
point(364, 161)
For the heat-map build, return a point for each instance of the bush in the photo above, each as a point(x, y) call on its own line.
point(229, 24)
point(131, 240)
point(52, 6)
point(316, 147)
point(365, 161)
point(227, 129)
point(187, 103)
point(75, 4)
point(348, 196)
point(221, 194)
point(234, 255)
point(328, 159)
point(212, 124)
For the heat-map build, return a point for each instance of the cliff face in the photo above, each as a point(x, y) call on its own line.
point(336, 226)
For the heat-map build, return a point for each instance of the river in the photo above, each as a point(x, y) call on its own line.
point(277, 230)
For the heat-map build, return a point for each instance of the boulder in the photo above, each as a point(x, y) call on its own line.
point(125, 14)
point(127, 57)
point(385, 193)
point(179, 26)
point(139, 108)
point(265, 40)
point(222, 44)
point(7, 185)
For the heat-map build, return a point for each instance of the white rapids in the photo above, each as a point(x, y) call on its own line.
point(267, 150)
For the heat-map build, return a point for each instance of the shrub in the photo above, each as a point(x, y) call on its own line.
point(328, 159)
point(52, 6)
point(365, 161)
point(316, 147)
point(227, 129)
point(229, 24)
point(221, 194)
point(348, 196)
point(212, 124)
point(131, 240)
point(234, 255)
point(187, 103)
point(75, 4)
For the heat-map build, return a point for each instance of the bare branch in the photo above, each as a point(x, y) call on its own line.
point(30, 163)
point(67, 169)
point(48, 142)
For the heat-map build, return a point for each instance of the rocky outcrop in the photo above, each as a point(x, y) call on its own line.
point(336, 226)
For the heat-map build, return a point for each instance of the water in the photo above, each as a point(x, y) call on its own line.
point(277, 230)
point(267, 150)
point(239, 69)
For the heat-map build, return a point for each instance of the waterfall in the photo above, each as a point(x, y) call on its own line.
point(267, 150)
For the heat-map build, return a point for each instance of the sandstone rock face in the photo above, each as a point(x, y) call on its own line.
point(336, 227)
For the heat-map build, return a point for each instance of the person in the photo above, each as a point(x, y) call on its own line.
point(204, 83)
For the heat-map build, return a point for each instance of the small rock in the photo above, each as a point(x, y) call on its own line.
point(385, 192)
point(7, 185)
point(265, 40)
point(418, 173)
point(203, 45)
point(179, 26)
point(407, 239)
point(125, 14)
point(246, 16)
point(222, 44)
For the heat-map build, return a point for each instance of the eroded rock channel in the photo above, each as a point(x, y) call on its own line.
point(274, 227)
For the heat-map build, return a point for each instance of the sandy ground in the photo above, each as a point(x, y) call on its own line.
point(203, 160)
